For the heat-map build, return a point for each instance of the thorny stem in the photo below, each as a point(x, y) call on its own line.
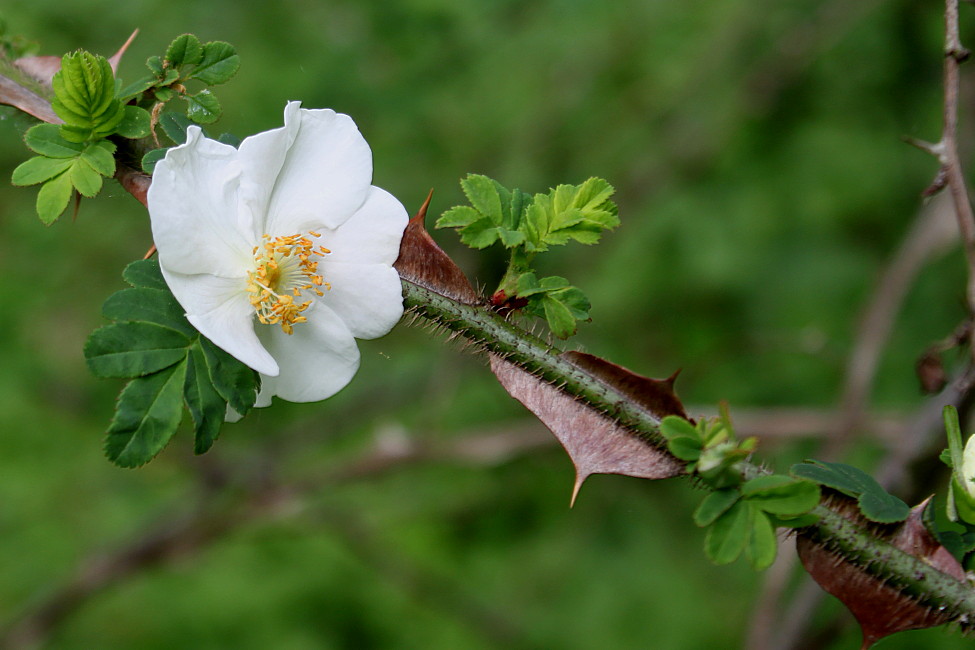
point(855, 544)
point(947, 150)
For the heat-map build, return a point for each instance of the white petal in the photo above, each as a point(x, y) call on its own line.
point(261, 157)
point(316, 362)
point(325, 176)
point(368, 297)
point(193, 209)
point(373, 234)
point(220, 309)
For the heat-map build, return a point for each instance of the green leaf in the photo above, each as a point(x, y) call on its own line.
point(137, 87)
point(203, 107)
point(164, 94)
point(186, 49)
point(560, 319)
point(729, 534)
point(150, 305)
point(136, 123)
point(480, 234)
point(85, 179)
point(234, 381)
point(99, 156)
point(46, 140)
point(685, 447)
point(155, 65)
point(762, 545)
point(674, 426)
point(714, 505)
point(875, 503)
point(781, 495)
point(84, 96)
point(133, 349)
point(146, 417)
point(39, 169)
point(206, 406)
point(219, 63)
point(570, 212)
point(483, 194)
point(145, 273)
point(150, 159)
point(174, 125)
point(53, 198)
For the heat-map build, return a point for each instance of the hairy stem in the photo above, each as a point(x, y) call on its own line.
point(852, 542)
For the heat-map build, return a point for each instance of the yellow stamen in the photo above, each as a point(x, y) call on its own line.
point(283, 269)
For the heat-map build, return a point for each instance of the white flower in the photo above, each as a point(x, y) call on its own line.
point(281, 251)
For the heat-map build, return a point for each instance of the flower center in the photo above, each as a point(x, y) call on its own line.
point(283, 268)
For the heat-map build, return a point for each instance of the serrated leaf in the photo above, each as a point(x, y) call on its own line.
point(714, 505)
point(480, 234)
point(781, 495)
point(85, 179)
point(206, 406)
point(99, 156)
point(135, 123)
point(203, 107)
point(145, 273)
point(235, 382)
point(53, 198)
point(164, 94)
point(592, 194)
point(875, 503)
point(174, 125)
point(185, 49)
point(137, 87)
point(84, 91)
point(458, 217)
point(155, 65)
point(133, 349)
point(219, 63)
point(150, 305)
point(39, 169)
point(511, 238)
point(762, 545)
point(483, 194)
point(146, 417)
point(46, 140)
point(150, 159)
point(558, 316)
point(729, 534)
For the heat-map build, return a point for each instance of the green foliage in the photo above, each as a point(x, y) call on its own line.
point(75, 156)
point(741, 516)
point(527, 225)
point(186, 60)
point(168, 363)
point(710, 448)
point(875, 502)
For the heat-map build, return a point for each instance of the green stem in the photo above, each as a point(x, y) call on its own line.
point(852, 542)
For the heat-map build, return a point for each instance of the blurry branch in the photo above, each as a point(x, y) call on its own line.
point(932, 232)
point(929, 235)
point(235, 497)
point(950, 174)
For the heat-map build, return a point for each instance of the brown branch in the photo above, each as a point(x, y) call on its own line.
point(955, 54)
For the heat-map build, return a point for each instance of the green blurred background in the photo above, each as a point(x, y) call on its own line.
point(762, 186)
